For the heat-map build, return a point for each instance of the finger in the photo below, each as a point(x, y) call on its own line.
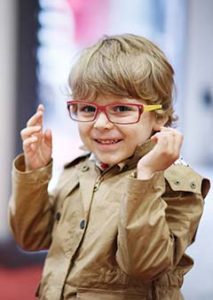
point(165, 144)
point(178, 141)
point(174, 142)
point(174, 136)
point(36, 119)
point(40, 108)
point(28, 142)
point(28, 131)
point(154, 137)
point(167, 135)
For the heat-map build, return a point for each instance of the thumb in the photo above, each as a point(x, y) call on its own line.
point(48, 137)
point(154, 138)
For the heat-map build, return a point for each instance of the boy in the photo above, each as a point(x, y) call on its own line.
point(123, 215)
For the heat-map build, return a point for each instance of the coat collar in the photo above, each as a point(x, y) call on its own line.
point(140, 151)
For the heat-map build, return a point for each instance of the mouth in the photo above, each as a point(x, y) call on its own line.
point(107, 141)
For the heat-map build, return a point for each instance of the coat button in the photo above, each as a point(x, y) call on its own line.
point(193, 185)
point(82, 224)
point(95, 188)
point(177, 182)
point(58, 216)
point(85, 168)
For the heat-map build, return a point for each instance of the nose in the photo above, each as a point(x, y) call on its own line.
point(101, 121)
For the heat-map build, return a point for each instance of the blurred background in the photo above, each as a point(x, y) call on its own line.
point(39, 41)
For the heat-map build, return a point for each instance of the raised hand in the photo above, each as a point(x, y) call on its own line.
point(37, 144)
point(166, 151)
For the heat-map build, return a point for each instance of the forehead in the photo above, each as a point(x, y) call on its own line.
point(108, 99)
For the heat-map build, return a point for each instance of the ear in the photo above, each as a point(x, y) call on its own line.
point(159, 122)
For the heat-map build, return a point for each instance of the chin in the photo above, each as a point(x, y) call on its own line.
point(107, 160)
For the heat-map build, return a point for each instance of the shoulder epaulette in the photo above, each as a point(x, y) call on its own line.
point(76, 160)
point(181, 177)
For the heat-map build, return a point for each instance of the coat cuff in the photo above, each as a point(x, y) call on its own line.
point(139, 186)
point(40, 175)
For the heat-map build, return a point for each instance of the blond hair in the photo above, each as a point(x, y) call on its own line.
point(128, 66)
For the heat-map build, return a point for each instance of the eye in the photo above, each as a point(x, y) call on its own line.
point(123, 108)
point(86, 108)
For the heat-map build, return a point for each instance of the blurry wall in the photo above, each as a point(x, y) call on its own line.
point(197, 105)
point(7, 96)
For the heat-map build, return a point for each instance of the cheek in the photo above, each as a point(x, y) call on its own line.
point(147, 124)
point(83, 130)
point(142, 133)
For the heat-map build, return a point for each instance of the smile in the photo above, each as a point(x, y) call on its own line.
point(107, 142)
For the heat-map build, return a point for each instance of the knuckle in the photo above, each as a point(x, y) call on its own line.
point(25, 142)
point(22, 132)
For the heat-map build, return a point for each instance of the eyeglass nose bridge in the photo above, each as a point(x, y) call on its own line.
point(101, 109)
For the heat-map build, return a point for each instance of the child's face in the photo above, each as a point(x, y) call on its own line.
point(112, 143)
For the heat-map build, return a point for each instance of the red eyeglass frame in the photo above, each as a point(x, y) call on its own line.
point(102, 108)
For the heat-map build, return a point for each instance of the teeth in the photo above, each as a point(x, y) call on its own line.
point(107, 142)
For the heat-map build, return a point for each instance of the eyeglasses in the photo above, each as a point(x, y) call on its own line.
point(118, 113)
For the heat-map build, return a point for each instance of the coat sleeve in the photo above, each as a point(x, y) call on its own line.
point(31, 213)
point(158, 220)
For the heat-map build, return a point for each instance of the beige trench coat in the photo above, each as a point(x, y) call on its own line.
point(109, 236)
